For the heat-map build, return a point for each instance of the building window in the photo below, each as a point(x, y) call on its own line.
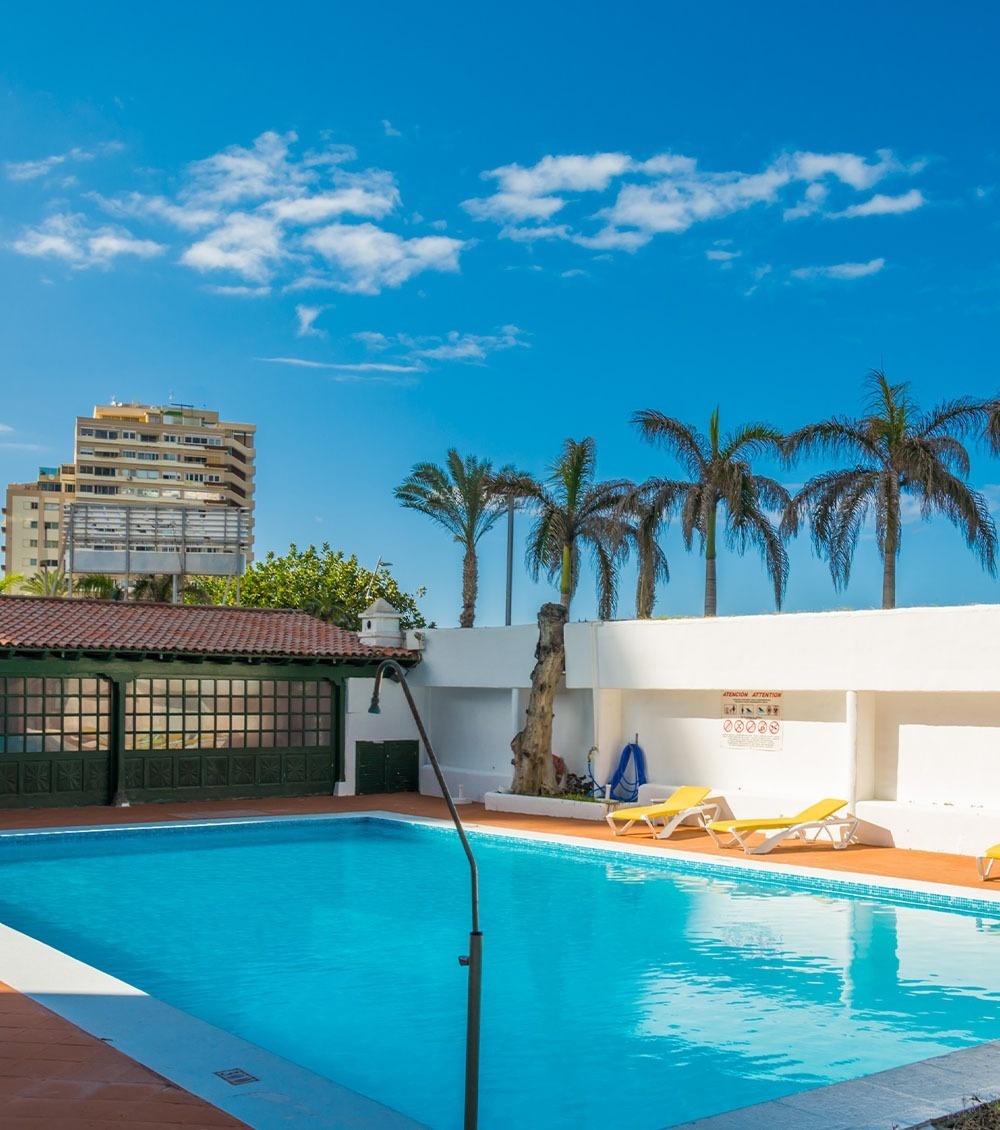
point(147, 455)
point(103, 490)
point(50, 562)
point(29, 543)
point(49, 487)
point(32, 561)
point(228, 714)
point(51, 506)
point(52, 525)
point(32, 525)
point(146, 437)
point(51, 545)
point(170, 457)
point(54, 714)
point(168, 438)
point(101, 433)
point(128, 435)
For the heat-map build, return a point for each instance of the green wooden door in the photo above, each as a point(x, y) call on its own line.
point(386, 767)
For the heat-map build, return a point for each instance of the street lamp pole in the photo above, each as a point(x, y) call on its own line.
point(474, 959)
point(511, 503)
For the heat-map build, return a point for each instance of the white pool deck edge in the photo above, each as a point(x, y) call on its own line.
point(189, 1051)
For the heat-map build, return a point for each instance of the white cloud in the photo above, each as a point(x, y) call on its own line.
point(368, 258)
point(668, 194)
point(239, 291)
point(364, 367)
point(455, 346)
point(248, 245)
point(262, 211)
point(373, 341)
point(33, 170)
point(527, 193)
point(307, 316)
point(5, 429)
point(840, 270)
point(717, 255)
point(575, 273)
point(390, 130)
point(66, 236)
point(881, 205)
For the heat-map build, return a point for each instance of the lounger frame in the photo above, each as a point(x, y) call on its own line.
point(839, 829)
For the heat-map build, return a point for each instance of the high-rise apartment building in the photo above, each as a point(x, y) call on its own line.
point(168, 456)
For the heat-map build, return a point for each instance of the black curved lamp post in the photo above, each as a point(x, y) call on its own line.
point(474, 959)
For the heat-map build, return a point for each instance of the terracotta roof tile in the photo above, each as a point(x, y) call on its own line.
point(52, 623)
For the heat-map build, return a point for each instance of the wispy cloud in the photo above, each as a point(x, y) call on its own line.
point(35, 170)
point(265, 214)
point(390, 130)
point(840, 270)
point(669, 194)
point(341, 366)
point(307, 316)
point(465, 347)
point(68, 237)
point(881, 205)
point(237, 291)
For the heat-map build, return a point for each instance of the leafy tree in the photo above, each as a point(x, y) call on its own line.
point(321, 582)
point(460, 496)
point(573, 512)
point(895, 450)
point(13, 581)
point(46, 582)
point(720, 472)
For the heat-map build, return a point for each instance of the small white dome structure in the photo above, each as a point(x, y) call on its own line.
point(380, 625)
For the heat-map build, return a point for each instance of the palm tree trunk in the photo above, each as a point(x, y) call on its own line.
point(892, 519)
point(710, 582)
point(534, 772)
point(470, 587)
point(566, 578)
point(889, 574)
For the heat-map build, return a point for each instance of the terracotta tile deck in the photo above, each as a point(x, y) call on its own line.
point(53, 1076)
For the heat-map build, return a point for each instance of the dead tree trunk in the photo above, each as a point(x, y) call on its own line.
point(534, 773)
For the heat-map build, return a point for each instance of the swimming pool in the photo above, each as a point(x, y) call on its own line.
point(617, 987)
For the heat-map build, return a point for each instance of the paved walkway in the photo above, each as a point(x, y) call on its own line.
point(53, 1076)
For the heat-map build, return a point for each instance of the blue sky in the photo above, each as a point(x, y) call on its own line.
point(380, 233)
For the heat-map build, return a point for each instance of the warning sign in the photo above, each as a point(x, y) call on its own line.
point(751, 720)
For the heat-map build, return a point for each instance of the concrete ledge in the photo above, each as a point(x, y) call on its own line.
point(475, 783)
point(546, 806)
point(958, 829)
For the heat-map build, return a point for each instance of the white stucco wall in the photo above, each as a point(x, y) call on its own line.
point(898, 711)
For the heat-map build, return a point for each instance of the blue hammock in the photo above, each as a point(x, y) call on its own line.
point(630, 774)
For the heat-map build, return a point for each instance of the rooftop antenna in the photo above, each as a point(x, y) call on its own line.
point(380, 564)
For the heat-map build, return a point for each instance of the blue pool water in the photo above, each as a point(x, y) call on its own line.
point(618, 990)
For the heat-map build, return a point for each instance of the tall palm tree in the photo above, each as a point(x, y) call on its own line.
point(646, 508)
point(11, 581)
point(896, 451)
point(46, 582)
point(573, 512)
point(720, 471)
point(461, 496)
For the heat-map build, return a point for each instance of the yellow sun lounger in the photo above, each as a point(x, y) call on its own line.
point(807, 825)
point(686, 801)
point(986, 860)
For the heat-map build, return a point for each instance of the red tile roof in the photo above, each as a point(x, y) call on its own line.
point(30, 623)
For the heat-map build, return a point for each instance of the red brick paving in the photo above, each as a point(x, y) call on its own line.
point(53, 1076)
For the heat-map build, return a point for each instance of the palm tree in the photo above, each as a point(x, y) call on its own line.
point(99, 586)
point(460, 496)
point(720, 472)
point(11, 581)
point(46, 582)
point(575, 512)
point(646, 508)
point(897, 451)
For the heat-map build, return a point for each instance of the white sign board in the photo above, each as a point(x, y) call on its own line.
point(751, 720)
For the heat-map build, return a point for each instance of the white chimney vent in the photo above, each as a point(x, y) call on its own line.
point(380, 626)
